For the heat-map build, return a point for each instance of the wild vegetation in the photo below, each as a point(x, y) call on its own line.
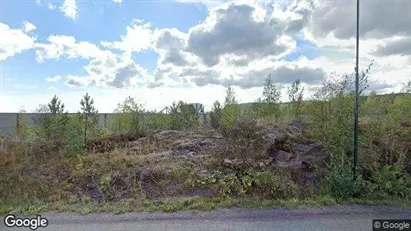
point(282, 154)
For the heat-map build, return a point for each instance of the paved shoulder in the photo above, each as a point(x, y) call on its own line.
point(329, 218)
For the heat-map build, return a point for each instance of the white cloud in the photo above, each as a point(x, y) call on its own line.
point(139, 37)
point(53, 79)
point(117, 1)
point(28, 27)
point(13, 41)
point(67, 46)
point(105, 68)
point(69, 8)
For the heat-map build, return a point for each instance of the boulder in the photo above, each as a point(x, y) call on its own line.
point(288, 152)
point(280, 156)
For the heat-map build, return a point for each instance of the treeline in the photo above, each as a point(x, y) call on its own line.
point(54, 126)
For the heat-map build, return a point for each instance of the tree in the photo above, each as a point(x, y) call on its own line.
point(230, 97)
point(269, 102)
point(377, 106)
point(231, 108)
point(130, 117)
point(271, 95)
point(55, 106)
point(129, 105)
point(215, 114)
point(52, 121)
point(295, 94)
point(90, 114)
point(183, 116)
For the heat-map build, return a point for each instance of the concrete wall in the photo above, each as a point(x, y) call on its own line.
point(9, 121)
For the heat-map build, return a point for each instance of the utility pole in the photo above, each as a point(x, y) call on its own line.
point(357, 83)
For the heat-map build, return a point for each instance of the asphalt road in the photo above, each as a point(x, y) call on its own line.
point(329, 218)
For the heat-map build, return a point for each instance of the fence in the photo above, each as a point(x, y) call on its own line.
point(10, 121)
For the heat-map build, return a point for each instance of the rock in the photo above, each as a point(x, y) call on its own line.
point(144, 173)
point(228, 162)
point(160, 154)
point(280, 156)
point(273, 134)
point(287, 151)
point(310, 149)
point(295, 164)
point(296, 127)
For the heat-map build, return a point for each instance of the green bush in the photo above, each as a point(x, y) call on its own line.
point(129, 118)
point(338, 181)
point(244, 138)
point(183, 116)
point(229, 114)
point(156, 121)
point(215, 115)
point(390, 182)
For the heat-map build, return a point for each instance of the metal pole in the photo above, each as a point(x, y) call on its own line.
point(355, 169)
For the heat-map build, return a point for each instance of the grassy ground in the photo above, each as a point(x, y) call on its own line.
point(87, 206)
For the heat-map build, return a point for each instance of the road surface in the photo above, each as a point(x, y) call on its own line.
point(353, 217)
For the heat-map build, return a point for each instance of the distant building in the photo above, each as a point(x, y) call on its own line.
point(198, 107)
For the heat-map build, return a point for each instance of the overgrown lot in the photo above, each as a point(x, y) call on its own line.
point(267, 155)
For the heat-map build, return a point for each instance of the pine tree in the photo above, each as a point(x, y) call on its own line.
point(55, 125)
point(89, 112)
point(55, 106)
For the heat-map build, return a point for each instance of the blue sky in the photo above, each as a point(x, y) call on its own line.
point(97, 21)
point(163, 51)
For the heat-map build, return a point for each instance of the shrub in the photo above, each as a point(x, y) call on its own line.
point(183, 116)
point(215, 115)
point(244, 138)
point(390, 182)
point(229, 114)
point(129, 118)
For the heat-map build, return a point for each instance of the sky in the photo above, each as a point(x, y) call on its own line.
point(161, 51)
